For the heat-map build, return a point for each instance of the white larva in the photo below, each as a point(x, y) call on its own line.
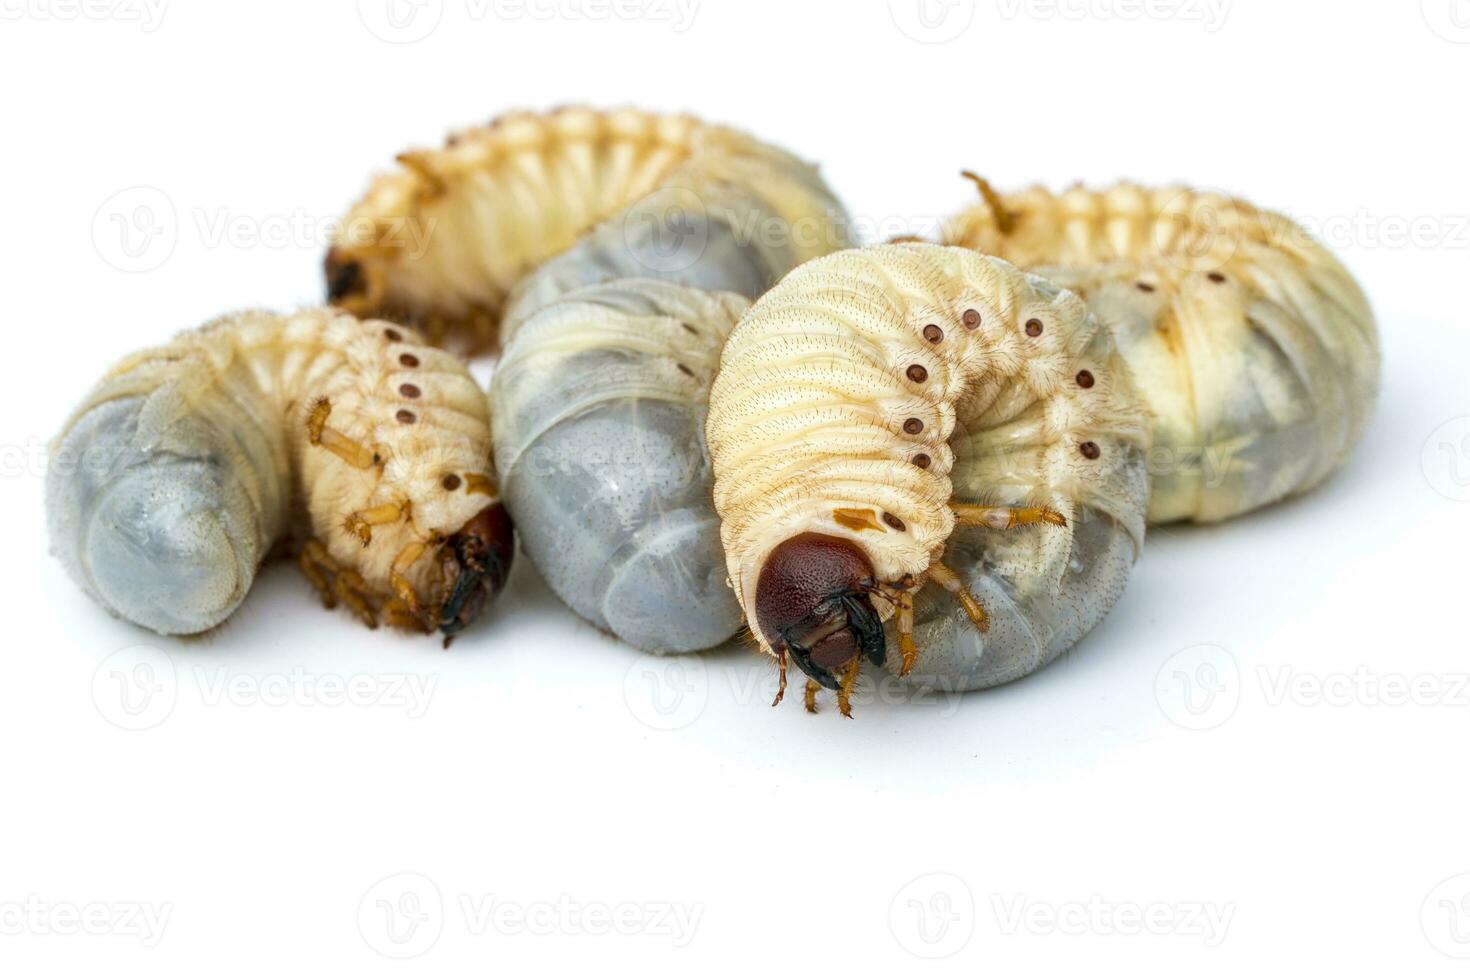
point(893, 423)
point(188, 463)
point(1253, 347)
point(665, 227)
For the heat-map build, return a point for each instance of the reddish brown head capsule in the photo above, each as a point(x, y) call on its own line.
point(812, 601)
point(477, 560)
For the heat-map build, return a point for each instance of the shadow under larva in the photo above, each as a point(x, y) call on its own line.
point(369, 450)
point(609, 254)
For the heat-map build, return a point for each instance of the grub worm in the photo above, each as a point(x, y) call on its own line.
point(189, 462)
point(926, 436)
point(609, 253)
point(1253, 347)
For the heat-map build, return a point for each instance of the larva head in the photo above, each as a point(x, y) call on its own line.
point(812, 601)
point(476, 561)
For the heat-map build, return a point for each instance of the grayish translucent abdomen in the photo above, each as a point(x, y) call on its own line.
point(599, 405)
point(599, 408)
point(1033, 618)
point(160, 507)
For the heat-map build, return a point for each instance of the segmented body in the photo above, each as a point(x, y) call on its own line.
point(1253, 347)
point(663, 228)
point(188, 462)
point(441, 242)
point(872, 388)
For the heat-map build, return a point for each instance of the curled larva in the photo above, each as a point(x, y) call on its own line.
point(441, 242)
point(1254, 348)
point(892, 424)
point(608, 349)
point(189, 462)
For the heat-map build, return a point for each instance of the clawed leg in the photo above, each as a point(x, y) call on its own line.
point(406, 604)
point(355, 594)
point(336, 584)
point(1005, 518)
point(1004, 220)
point(844, 690)
point(950, 581)
point(781, 686)
point(812, 687)
point(905, 629)
point(362, 522)
point(336, 442)
point(901, 594)
point(317, 565)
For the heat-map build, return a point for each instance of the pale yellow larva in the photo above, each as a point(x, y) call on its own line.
point(441, 242)
point(189, 462)
point(615, 250)
point(909, 415)
point(1254, 348)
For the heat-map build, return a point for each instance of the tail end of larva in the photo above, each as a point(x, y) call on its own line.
point(154, 537)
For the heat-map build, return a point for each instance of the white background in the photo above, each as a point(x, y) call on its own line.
point(1260, 755)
